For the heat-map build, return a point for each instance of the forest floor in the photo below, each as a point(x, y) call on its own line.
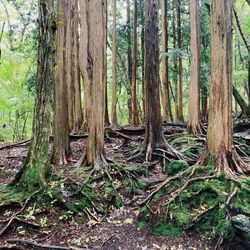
point(49, 226)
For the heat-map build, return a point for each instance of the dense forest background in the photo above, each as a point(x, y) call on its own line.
point(124, 121)
point(19, 34)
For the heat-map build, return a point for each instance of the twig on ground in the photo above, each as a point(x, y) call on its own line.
point(34, 244)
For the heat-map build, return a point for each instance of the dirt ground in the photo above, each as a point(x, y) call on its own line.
point(117, 230)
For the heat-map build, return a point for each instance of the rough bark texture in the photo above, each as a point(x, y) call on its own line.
point(135, 117)
point(36, 168)
point(61, 120)
point(154, 135)
point(129, 62)
point(220, 102)
point(78, 115)
point(194, 87)
point(179, 38)
point(175, 74)
point(166, 106)
point(93, 15)
point(68, 62)
point(106, 115)
point(114, 66)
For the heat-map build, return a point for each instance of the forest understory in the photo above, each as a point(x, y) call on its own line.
point(129, 210)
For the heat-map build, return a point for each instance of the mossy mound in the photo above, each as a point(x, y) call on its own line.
point(196, 200)
point(175, 167)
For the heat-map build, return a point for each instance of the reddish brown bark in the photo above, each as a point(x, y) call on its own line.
point(194, 87)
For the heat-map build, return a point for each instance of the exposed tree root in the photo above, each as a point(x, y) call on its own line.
point(148, 150)
point(166, 183)
point(17, 219)
point(34, 245)
point(196, 196)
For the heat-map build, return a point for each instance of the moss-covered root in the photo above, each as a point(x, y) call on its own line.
point(196, 199)
point(32, 176)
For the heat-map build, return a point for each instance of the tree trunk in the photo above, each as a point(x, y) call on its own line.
point(245, 112)
point(248, 49)
point(61, 120)
point(36, 168)
point(135, 117)
point(106, 115)
point(93, 28)
point(179, 38)
point(68, 62)
point(175, 73)
point(129, 62)
point(78, 115)
point(142, 58)
point(114, 67)
point(167, 114)
point(220, 101)
point(194, 86)
point(154, 133)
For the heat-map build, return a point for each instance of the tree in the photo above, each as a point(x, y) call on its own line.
point(129, 60)
point(61, 119)
point(194, 87)
point(114, 69)
point(179, 42)
point(93, 32)
point(166, 105)
point(77, 105)
point(154, 138)
point(68, 62)
point(33, 174)
point(220, 135)
point(135, 117)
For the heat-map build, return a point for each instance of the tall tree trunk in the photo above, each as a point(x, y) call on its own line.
point(142, 58)
point(114, 67)
point(36, 168)
point(248, 49)
point(154, 134)
point(78, 115)
point(68, 62)
point(175, 74)
point(245, 112)
point(167, 114)
point(180, 94)
point(93, 14)
point(220, 136)
point(194, 86)
point(129, 92)
point(61, 119)
point(106, 115)
point(135, 117)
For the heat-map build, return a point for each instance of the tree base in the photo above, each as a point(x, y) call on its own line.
point(150, 151)
point(228, 162)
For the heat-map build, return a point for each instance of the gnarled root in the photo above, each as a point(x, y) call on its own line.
point(163, 150)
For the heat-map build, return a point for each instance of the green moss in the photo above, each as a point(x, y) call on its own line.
point(242, 201)
point(167, 229)
point(34, 176)
point(111, 195)
point(174, 167)
point(201, 206)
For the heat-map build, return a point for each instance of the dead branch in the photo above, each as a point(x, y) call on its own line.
point(14, 144)
point(33, 244)
point(166, 182)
